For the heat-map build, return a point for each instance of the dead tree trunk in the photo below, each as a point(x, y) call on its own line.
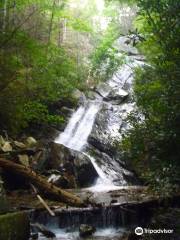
point(46, 188)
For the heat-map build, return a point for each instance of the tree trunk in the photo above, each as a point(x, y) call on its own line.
point(41, 183)
point(4, 15)
point(51, 22)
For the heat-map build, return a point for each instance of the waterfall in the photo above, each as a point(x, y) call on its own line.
point(79, 127)
point(83, 122)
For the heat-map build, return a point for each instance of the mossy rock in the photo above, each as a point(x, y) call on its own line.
point(14, 226)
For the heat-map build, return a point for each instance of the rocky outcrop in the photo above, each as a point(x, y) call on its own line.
point(113, 168)
point(72, 164)
point(110, 93)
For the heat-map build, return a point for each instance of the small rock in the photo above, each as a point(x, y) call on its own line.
point(86, 230)
point(7, 147)
point(24, 160)
point(45, 231)
point(19, 144)
point(31, 142)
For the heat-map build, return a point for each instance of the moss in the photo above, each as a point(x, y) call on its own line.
point(14, 226)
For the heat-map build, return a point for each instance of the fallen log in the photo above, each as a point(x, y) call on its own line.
point(46, 188)
point(42, 201)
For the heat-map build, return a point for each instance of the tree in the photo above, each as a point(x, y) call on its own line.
point(153, 144)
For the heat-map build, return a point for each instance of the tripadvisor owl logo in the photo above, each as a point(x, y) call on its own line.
point(139, 231)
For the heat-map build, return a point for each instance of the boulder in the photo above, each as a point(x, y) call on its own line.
point(63, 180)
point(31, 142)
point(113, 169)
point(86, 230)
point(7, 147)
point(40, 159)
point(78, 96)
point(14, 226)
point(92, 95)
point(24, 160)
point(105, 129)
point(117, 96)
point(72, 163)
point(103, 89)
point(19, 145)
point(44, 230)
point(67, 111)
point(108, 127)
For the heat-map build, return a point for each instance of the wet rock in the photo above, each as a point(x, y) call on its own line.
point(72, 163)
point(112, 168)
point(14, 226)
point(63, 180)
point(78, 96)
point(103, 89)
point(117, 95)
point(67, 111)
point(107, 124)
point(108, 127)
point(86, 230)
point(44, 230)
point(93, 95)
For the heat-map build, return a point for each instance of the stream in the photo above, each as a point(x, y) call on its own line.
point(92, 130)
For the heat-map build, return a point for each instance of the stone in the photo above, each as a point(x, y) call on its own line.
point(31, 142)
point(14, 226)
point(44, 230)
point(40, 159)
point(24, 160)
point(73, 163)
point(86, 230)
point(7, 147)
point(117, 95)
point(78, 96)
point(19, 144)
point(103, 89)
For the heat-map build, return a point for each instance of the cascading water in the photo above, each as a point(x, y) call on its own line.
point(79, 127)
point(82, 122)
point(109, 220)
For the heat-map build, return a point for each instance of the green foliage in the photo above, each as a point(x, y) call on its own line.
point(106, 59)
point(152, 145)
point(33, 73)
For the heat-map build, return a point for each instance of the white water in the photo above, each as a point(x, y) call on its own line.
point(81, 123)
point(100, 233)
point(75, 137)
point(79, 127)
